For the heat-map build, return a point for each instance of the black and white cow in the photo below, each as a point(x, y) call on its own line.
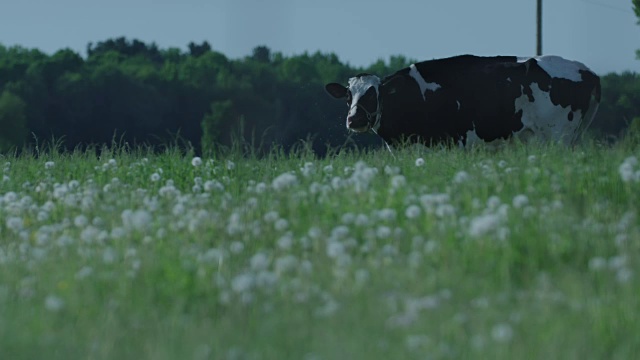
point(469, 99)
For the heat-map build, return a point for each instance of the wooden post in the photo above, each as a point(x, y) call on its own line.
point(539, 28)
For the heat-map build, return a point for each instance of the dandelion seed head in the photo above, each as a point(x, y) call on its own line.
point(386, 214)
point(412, 212)
point(281, 224)
point(80, 221)
point(502, 333)
point(196, 161)
point(213, 185)
point(520, 201)
point(624, 275)
point(84, 273)
point(627, 170)
point(334, 249)
point(419, 162)
point(243, 283)
point(284, 181)
point(461, 177)
point(53, 303)
point(398, 181)
point(484, 224)
point(259, 261)
point(285, 264)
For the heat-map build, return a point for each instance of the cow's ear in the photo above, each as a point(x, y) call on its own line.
point(336, 90)
point(391, 84)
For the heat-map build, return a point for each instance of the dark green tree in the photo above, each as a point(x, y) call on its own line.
point(221, 113)
point(13, 121)
point(196, 50)
point(261, 54)
point(636, 10)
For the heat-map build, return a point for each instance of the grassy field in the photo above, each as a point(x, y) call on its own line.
point(527, 252)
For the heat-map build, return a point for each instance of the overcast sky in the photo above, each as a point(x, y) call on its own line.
point(600, 33)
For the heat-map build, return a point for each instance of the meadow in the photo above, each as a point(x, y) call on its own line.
point(525, 252)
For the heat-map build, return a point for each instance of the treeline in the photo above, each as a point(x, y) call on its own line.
point(133, 92)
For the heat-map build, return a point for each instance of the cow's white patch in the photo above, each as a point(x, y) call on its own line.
point(546, 121)
point(558, 67)
point(358, 87)
point(422, 83)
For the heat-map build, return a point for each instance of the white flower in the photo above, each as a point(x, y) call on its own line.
point(259, 261)
point(84, 272)
point(80, 221)
point(361, 220)
point(627, 170)
point(196, 161)
point(155, 177)
point(284, 181)
point(260, 188)
point(109, 256)
point(339, 232)
point(484, 224)
point(412, 212)
point(391, 170)
point(137, 220)
point(281, 224)
point(271, 216)
point(348, 218)
point(15, 223)
point(328, 169)
point(236, 247)
point(383, 232)
point(243, 283)
point(49, 165)
point(398, 181)
point(230, 165)
point(9, 197)
point(335, 249)
point(386, 214)
point(597, 263)
point(285, 264)
point(520, 201)
point(502, 332)
point(419, 162)
point(213, 185)
point(308, 169)
point(460, 177)
point(623, 275)
point(53, 303)
point(286, 241)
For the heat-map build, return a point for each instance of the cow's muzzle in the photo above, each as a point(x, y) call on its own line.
point(363, 120)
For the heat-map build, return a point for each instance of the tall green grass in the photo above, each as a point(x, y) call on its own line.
point(528, 251)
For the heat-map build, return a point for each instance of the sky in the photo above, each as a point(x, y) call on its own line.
point(603, 34)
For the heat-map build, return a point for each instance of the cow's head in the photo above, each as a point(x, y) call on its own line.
point(363, 99)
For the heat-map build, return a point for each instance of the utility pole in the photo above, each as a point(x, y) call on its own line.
point(539, 28)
